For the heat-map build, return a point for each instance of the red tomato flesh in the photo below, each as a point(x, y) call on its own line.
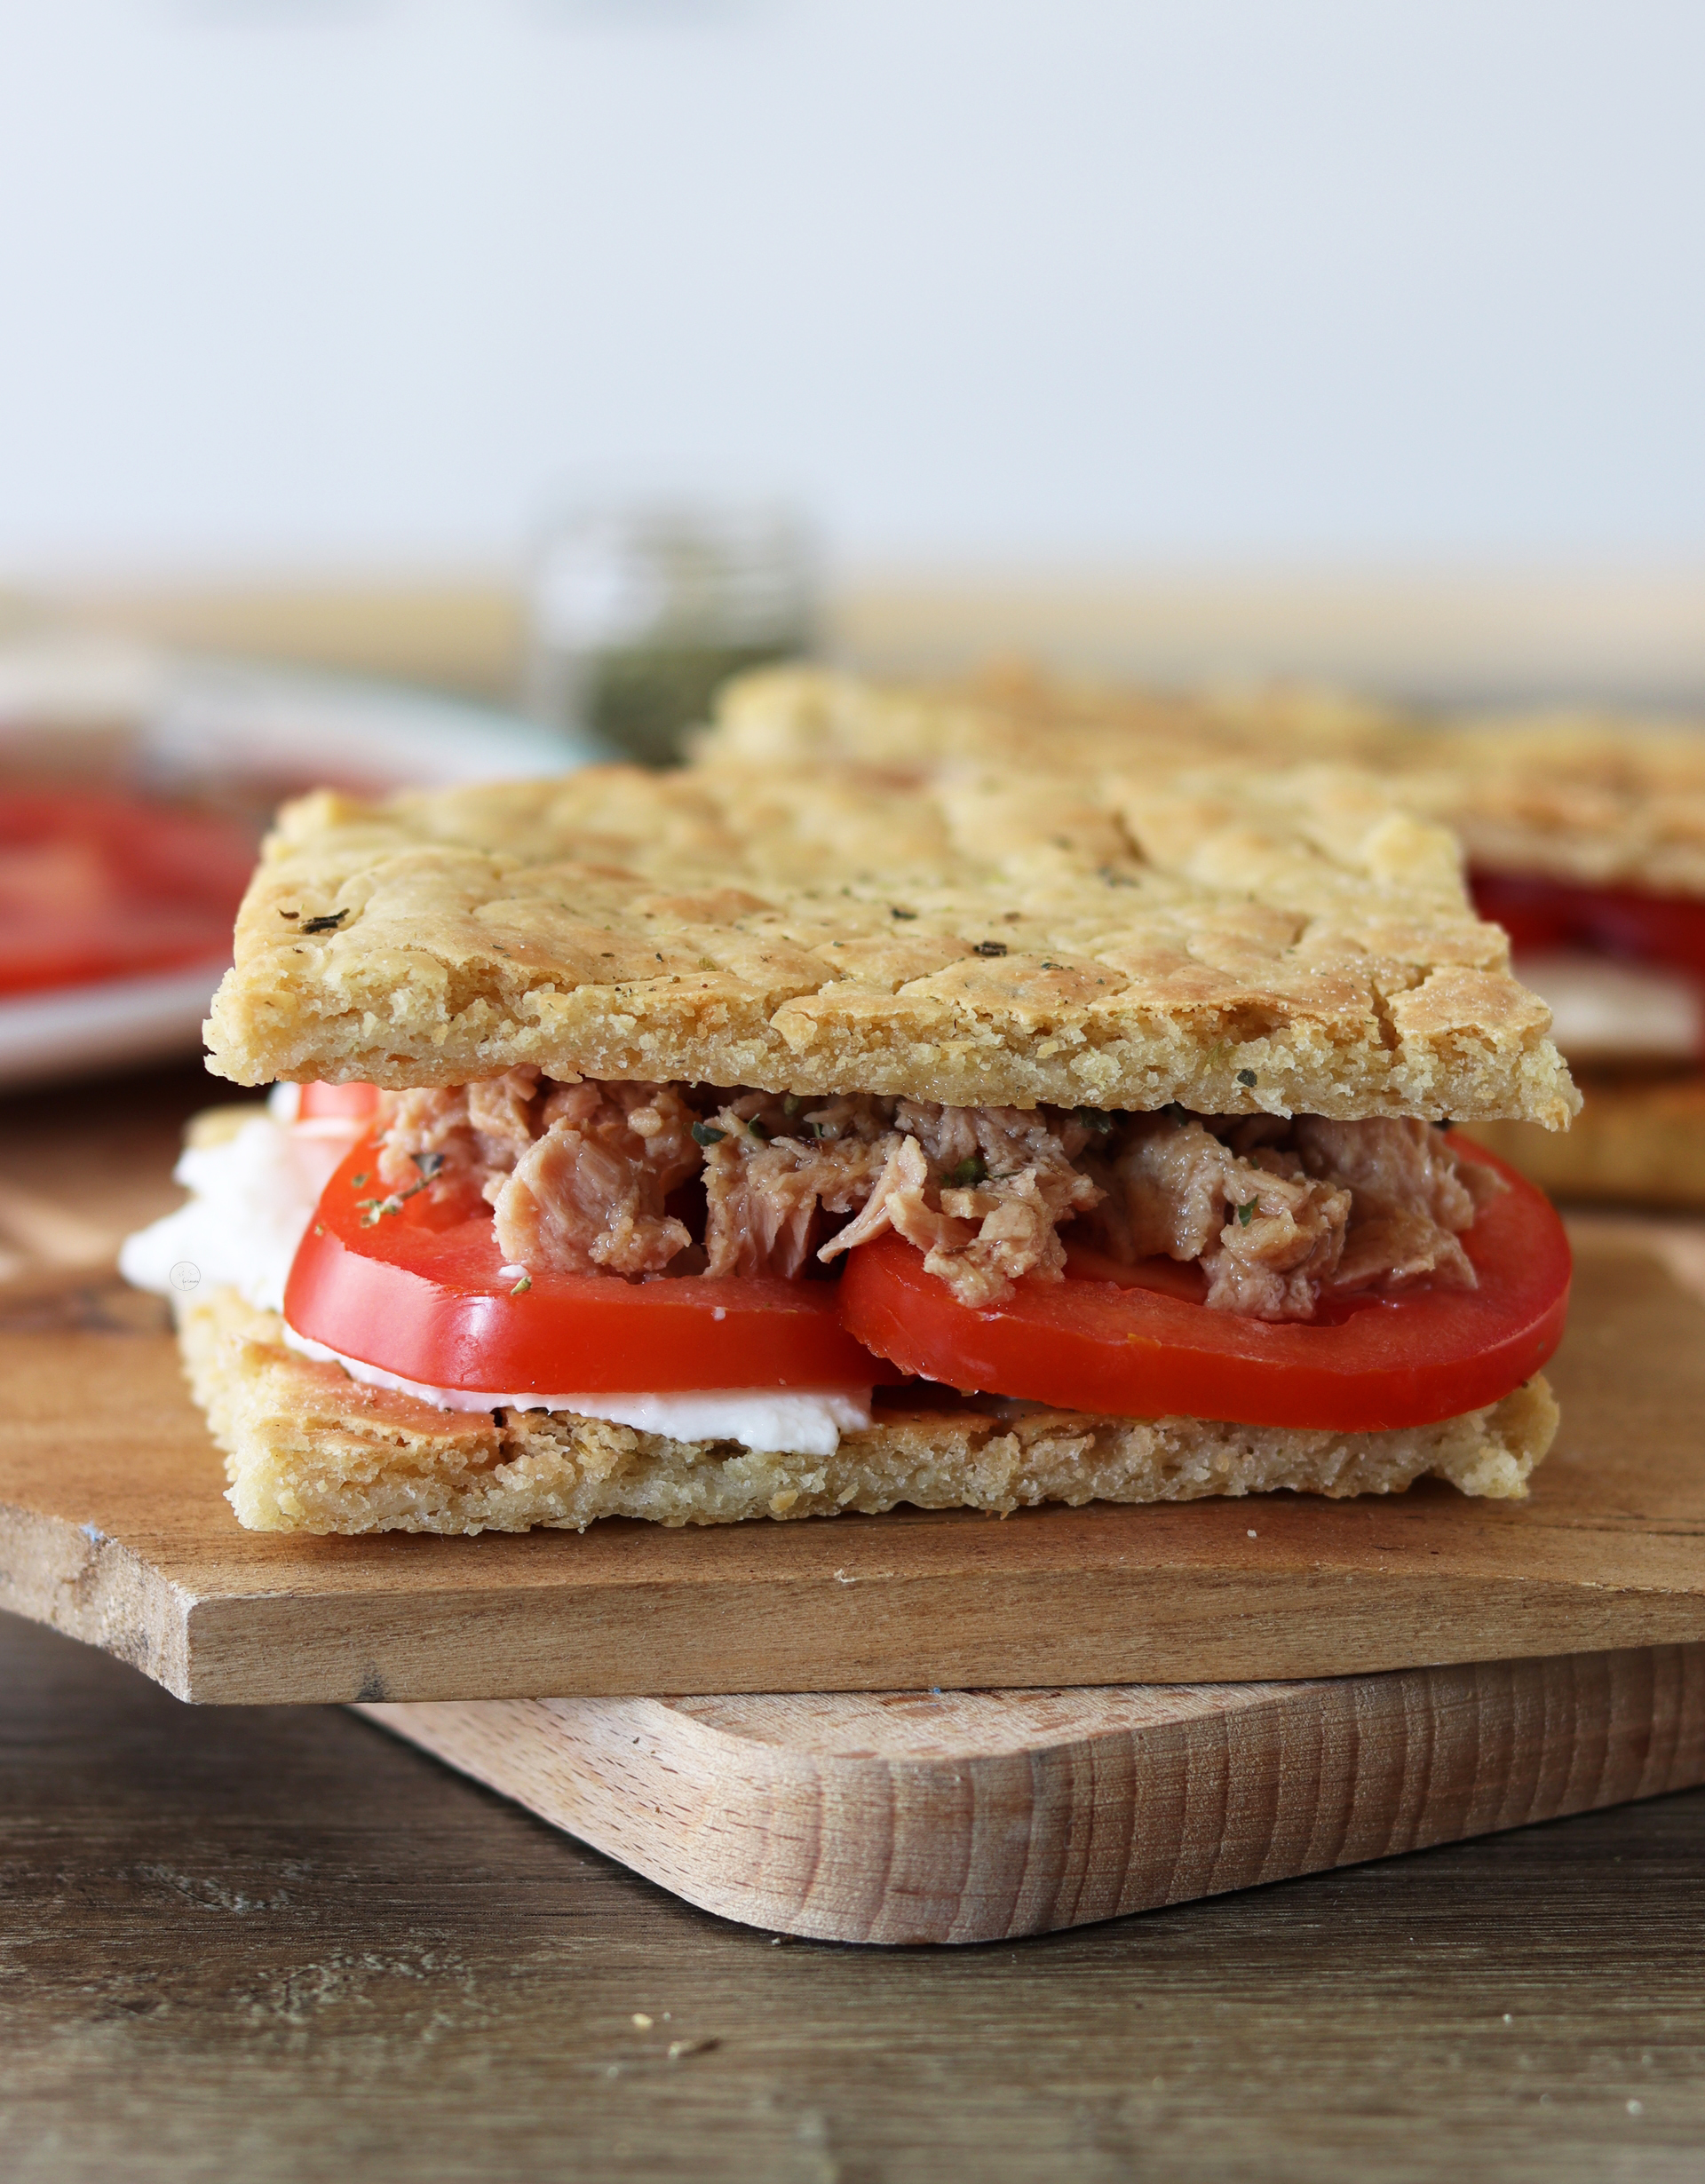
point(1123, 1348)
point(1540, 914)
point(418, 1292)
point(96, 885)
point(346, 1103)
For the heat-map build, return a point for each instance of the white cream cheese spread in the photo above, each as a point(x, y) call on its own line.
point(251, 1198)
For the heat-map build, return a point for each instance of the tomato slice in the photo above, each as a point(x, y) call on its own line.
point(98, 885)
point(420, 1292)
point(1541, 914)
point(342, 1102)
point(1131, 1350)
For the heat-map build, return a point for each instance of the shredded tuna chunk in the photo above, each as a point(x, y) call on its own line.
point(587, 1195)
point(476, 1129)
point(501, 1113)
point(1275, 1212)
point(980, 1190)
point(768, 1174)
point(428, 1130)
point(1411, 1199)
point(1266, 1234)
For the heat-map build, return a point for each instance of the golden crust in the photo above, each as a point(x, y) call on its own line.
point(1290, 942)
point(1576, 796)
point(1012, 715)
point(309, 1450)
point(1596, 801)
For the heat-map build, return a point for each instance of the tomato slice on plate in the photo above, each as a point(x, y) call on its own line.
point(98, 885)
point(1122, 1349)
point(419, 1291)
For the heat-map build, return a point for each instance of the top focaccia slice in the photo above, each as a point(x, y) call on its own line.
point(1286, 942)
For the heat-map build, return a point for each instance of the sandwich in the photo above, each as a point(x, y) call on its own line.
point(771, 1139)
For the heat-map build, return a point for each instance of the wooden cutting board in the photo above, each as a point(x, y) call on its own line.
point(113, 1527)
point(977, 1815)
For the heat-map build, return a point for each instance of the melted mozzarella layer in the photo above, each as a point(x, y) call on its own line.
point(776, 1419)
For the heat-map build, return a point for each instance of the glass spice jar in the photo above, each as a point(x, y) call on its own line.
point(639, 611)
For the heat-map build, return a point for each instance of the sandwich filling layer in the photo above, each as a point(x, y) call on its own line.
point(641, 1180)
point(625, 1195)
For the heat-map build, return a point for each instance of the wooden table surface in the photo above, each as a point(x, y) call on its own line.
point(262, 1943)
point(1628, 633)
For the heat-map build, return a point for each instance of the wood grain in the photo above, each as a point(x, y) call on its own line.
point(113, 1527)
point(272, 1944)
point(903, 1817)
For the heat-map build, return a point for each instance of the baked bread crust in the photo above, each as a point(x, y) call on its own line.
point(1592, 798)
point(1012, 716)
point(1237, 942)
point(308, 1449)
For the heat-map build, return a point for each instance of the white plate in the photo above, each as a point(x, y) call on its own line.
point(195, 717)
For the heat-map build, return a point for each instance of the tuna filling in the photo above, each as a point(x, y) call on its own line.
point(646, 1179)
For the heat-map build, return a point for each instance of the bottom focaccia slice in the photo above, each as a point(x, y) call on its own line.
point(1640, 1139)
point(307, 1449)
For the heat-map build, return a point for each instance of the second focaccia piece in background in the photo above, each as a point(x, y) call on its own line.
point(1584, 832)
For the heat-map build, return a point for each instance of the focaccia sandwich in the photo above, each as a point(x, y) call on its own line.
point(771, 1139)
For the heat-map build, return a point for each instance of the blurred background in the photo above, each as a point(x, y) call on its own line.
point(419, 389)
point(1144, 338)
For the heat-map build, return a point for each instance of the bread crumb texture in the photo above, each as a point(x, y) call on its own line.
point(1290, 942)
point(309, 1450)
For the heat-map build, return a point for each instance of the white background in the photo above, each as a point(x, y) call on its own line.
point(979, 280)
